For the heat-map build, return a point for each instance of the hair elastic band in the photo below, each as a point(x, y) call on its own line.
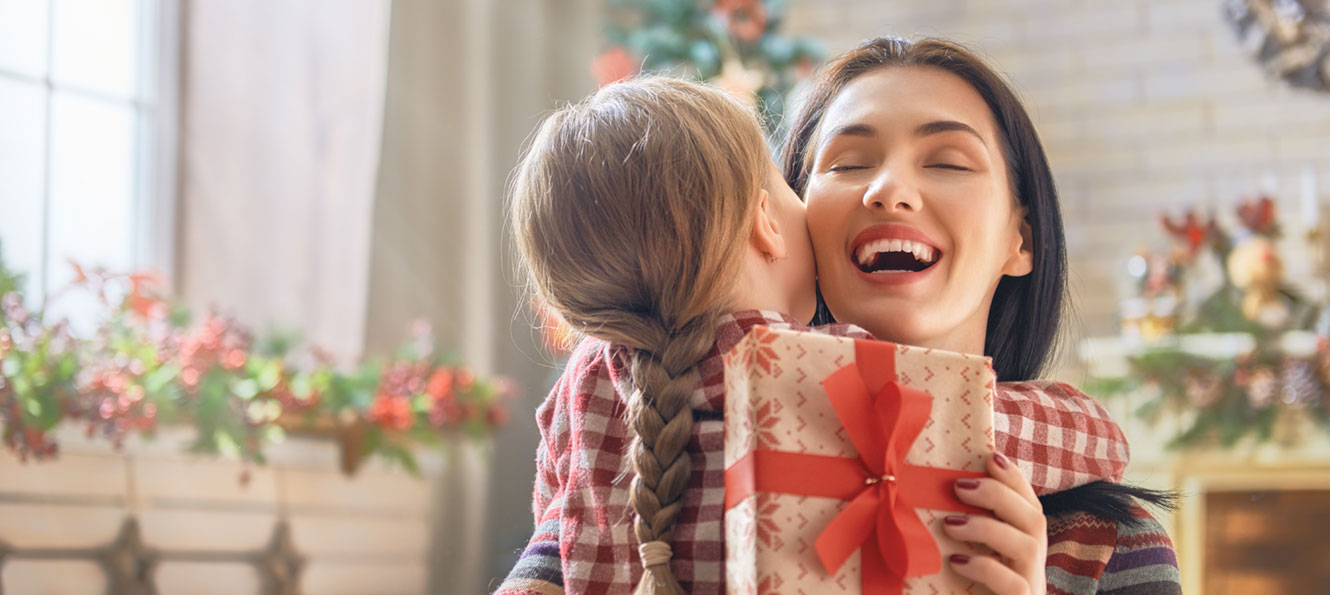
point(655, 553)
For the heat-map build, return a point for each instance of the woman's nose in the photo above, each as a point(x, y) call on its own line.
point(891, 193)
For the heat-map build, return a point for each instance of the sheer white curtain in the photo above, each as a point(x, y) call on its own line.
point(468, 80)
point(282, 116)
point(344, 170)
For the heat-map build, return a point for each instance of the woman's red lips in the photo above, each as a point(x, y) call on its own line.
point(891, 231)
point(884, 250)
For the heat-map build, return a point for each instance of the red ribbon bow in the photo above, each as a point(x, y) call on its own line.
point(882, 421)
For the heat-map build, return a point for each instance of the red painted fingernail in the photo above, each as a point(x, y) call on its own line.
point(960, 559)
point(1001, 460)
point(956, 521)
point(967, 484)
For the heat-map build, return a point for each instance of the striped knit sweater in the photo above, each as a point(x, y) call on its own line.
point(1086, 554)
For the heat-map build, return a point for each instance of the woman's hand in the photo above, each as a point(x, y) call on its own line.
point(1018, 536)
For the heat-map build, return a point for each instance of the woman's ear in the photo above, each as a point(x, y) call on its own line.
point(766, 237)
point(1021, 260)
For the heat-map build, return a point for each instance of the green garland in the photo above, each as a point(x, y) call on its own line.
point(147, 365)
point(1232, 400)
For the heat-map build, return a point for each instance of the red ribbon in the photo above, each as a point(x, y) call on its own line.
point(882, 419)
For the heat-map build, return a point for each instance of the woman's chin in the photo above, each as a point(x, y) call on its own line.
point(870, 295)
point(904, 336)
point(892, 320)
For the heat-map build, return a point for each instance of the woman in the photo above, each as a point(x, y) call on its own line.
point(935, 222)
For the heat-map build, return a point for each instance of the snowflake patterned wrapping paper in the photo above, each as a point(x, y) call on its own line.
point(840, 457)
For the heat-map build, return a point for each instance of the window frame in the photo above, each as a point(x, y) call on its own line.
point(158, 218)
point(156, 110)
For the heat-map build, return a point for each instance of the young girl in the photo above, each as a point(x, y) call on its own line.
point(652, 220)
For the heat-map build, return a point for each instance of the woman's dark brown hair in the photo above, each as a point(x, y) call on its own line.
point(1026, 312)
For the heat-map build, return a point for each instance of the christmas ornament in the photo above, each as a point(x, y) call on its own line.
point(1262, 388)
point(740, 82)
point(1190, 233)
point(614, 65)
point(1300, 385)
point(1322, 358)
point(1258, 216)
point(1254, 266)
point(1202, 387)
point(746, 20)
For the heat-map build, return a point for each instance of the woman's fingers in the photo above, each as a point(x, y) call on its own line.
point(1018, 535)
point(1002, 469)
point(1006, 503)
point(998, 577)
point(1022, 549)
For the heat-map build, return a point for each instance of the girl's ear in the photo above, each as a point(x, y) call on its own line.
point(766, 237)
point(1021, 260)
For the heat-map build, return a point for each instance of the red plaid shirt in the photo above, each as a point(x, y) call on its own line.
point(1058, 436)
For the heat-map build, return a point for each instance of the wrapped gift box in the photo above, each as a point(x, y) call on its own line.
point(840, 457)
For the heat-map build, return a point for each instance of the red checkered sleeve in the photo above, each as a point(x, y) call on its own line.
point(552, 454)
point(1059, 436)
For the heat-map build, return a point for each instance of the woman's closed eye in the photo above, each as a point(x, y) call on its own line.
point(841, 168)
point(949, 166)
point(960, 159)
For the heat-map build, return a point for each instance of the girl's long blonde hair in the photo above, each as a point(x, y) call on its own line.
point(631, 211)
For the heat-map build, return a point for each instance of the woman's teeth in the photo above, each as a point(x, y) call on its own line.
point(868, 252)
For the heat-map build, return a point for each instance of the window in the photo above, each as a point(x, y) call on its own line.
point(86, 139)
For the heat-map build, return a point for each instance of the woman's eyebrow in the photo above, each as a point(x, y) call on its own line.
point(941, 126)
point(856, 129)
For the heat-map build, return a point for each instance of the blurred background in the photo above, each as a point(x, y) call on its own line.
point(263, 331)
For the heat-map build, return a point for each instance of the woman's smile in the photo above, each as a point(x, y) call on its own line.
point(894, 254)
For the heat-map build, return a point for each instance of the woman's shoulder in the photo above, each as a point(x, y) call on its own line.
point(1089, 554)
point(1143, 558)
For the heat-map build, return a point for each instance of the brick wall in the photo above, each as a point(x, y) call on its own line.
point(1142, 105)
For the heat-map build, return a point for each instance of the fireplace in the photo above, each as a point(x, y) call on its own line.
point(1254, 523)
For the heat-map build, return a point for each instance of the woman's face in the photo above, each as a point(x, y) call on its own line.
point(911, 211)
